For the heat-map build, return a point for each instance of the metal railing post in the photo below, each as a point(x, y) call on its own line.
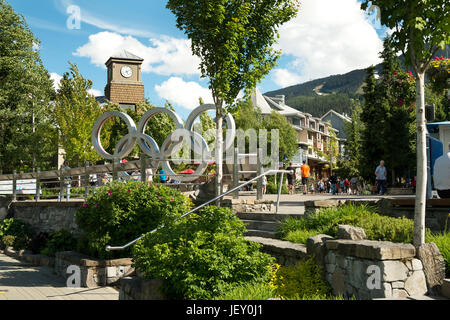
point(86, 180)
point(114, 169)
point(143, 167)
point(61, 185)
point(236, 173)
point(14, 186)
point(38, 184)
point(280, 185)
point(260, 170)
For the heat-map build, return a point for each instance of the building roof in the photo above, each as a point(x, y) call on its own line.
point(259, 101)
point(342, 116)
point(124, 55)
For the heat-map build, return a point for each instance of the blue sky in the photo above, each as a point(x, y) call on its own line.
point(327, 37)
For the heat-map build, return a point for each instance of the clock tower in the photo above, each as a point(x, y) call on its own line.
point(124, 86)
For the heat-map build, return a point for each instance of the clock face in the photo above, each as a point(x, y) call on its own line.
point(126, 71)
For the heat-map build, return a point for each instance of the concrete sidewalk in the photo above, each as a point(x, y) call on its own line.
point(22, 281)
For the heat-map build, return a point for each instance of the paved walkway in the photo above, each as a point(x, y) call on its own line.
point(295, 204)
point(22, 281)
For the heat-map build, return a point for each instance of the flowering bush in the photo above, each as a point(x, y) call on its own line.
point(120, 212)
point(438, 74)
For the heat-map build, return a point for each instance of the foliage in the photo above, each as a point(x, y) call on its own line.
point(442, 241)
point(301, 281)
point(439, 73)
point(39, 242)
point(25, 92)
point(7, 241)
point(62, 240)
point(387, 117)
point(255, 290)
point(248, 117)
point(119, 212)
point(325, 221)
point(199, 256)
point(272, 188)
point(74, 105)
point(234, 40)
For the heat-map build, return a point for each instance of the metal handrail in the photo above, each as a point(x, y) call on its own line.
point(109, 248)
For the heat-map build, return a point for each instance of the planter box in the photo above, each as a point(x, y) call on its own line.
point(94, 272)
point(34, 259)
point(400, 191)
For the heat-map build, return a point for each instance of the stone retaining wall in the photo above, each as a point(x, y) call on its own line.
point(285, 252)
point(94, 272)
point(373, 269)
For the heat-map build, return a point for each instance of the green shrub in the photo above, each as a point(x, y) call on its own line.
point(8, 241)
point(326, 221)
point(20, 230)
point(254, 290)
point(272, 188)
point(62, 240)
point(201, 255)
point(442, 241)
point(301, 282)
point(122, 211)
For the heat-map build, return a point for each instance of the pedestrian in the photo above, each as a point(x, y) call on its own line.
point(264, 184)
point(291, 177)
point(162, 176)
point(441, 175)
point(305, 176)
point(381, 175)
point(333, 183)
point(341, 185)
point(149, 174)
point(67, 180)
point(354, 184)
point(347, 185)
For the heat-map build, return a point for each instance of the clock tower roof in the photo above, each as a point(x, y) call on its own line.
point(124, 55)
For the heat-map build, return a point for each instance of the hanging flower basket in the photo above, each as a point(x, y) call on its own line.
point(439, 74)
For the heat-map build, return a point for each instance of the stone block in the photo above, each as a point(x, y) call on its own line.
point(399, 293)
point(351, 232)
point(416, 284)
point(393, 270)
point(316, 246)
point(373, 250)
point(338, 283)
point(433, 266)
point(416, 264)
point(398, 285)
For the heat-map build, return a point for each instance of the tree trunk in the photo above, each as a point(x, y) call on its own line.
point(421, 180)
point(219, 151)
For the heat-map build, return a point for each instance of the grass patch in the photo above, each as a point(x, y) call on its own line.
point(442, 241)
point(326, 221)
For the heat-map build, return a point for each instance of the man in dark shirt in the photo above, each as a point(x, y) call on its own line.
point(333, 181)
point(291, 177)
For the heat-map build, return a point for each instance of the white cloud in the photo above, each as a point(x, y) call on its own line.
point(285, 78)
point(329, 37)
point(182, 93)
point(95, 92)
point(56, 80)
point(165, 55)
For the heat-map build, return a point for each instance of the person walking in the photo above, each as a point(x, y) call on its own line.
point(162, 177)
point(305, 176)
point(291, 177)
point(333, 182)
point(354, 184)
point(381, 175)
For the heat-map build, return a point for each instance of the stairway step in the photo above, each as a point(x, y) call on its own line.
point(262, 225)
point(260, 233)
point(263, 216)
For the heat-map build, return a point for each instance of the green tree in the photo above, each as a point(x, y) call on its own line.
point(354, 147)
point(75, 114)
point(233, 39)
point(27, 139)
point(421, 28)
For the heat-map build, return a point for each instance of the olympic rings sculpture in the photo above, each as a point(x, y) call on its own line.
point(171, 144)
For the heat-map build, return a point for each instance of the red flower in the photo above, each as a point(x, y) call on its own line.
point(395, 73)
point(109, 192)
point(129, 191)
point(410, 72)
point(85, 205)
